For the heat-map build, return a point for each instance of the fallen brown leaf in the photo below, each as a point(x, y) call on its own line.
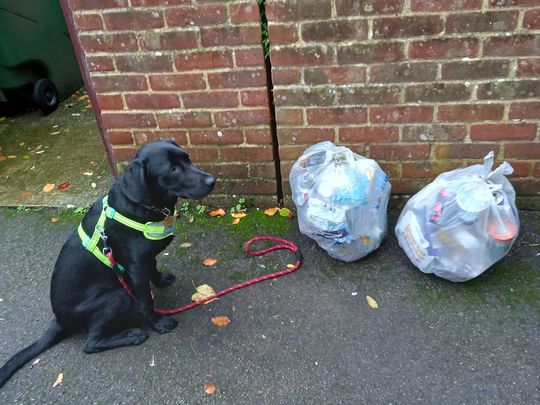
point(186, 245)
point(48, 187)
point(209, 389)
point(2, 158)
point(59, 380)
point(371, 302)
point(64, 185)
point(209, 262)
point(236, 221)
point(217, 213)
point(221, 321)
point(271, 211)
point(203, 291)
point(26, 194)
point(54, 219)
point(239, 214)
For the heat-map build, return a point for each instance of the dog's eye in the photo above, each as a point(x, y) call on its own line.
point(175, 169)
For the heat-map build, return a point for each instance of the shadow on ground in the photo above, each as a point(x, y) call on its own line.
point(305, 338)
point(63, 147)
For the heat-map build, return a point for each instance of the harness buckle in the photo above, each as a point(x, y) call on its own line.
point(110, 212)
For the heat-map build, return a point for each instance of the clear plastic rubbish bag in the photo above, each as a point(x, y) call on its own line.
point(462, 223)
point(341, 200)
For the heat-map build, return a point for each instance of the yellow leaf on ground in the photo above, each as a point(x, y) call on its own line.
point(221, 321)
point(239, 214)
point(186, 245)
point(217, 213)
point(209, 389)
point(59, 380)
point(48, 187)
point(54, 219)
point(12, 156)
point(371, 302)
point(236, 221)
point(203, 291)
point(271, 211)
point(209, 262)
point(290, 266)
point(285, 212)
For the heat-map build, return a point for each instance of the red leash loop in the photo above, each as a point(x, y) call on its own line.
point(282, 244)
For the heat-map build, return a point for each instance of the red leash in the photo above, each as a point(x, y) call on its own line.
point(282, 244)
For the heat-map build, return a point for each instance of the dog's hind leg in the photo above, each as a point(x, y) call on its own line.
point(110, 312)
point(160, 279)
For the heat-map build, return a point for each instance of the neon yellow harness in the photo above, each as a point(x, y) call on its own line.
point(151, 230)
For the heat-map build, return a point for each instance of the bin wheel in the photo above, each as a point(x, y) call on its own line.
point(45, 95)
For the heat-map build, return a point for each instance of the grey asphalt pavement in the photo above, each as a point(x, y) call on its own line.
point(306, 338)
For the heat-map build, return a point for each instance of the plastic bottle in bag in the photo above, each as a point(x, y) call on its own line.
point(462, 223)
point(341, 199)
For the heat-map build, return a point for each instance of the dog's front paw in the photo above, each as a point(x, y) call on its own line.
point(164, 280)
point(164, 324)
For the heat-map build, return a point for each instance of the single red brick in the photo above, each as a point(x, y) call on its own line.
point(371, 133)
point(168, 40)
point(99, 63)
point(88, 22)
point(258, 136)
point(196, 16)
point(399, 152)
point(242, 117)
point(177, 81)
point(237, 79)
point(298, 10)
point(226, 171)
point(355, 7)
point(228, 36)
point(295, 136)
point(512, 3)
point(400, 114)
point(429, 169)
point(334, 30)
point(390, 169)
point(282, 34)
point(245, 13)
point(215, 137)
point(403, 72)
point(304, 96)
point(301, 56)
point(447, 5)
point(203, 60)
point(118, 83)
point(443, 48)
point(481, 22)
point(152, 101)
point(210, 99)
point(470, 112)
point(288, 152)
point(437, 92)
point(289, 116)
point(123, 154)
point(531, 19)
point(285, 76)
point(246, 153)
point(264, 171)
point(509, 89)
point(475, 70)
point(190, 119)
point(142, 137)
point(143, 63)
point(128, 120)
point(146, 3)
point(370, 53)
point(369, 95)
point(528, 67)
point(108, 42)
point(120, 137)
point(96, 4)
point(536, 170)
point(332, 116)
point(254, 98)
point(524, 110)
point(474, 151)
point(526, 150)
point(516, 45)
point(498, 132)
point(133, 19)
point(434, 133)
point(392, 27)
point(110, 101)
point(335, 75)
point(530, 187)
point(249, 57)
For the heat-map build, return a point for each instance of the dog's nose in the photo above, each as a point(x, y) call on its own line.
point(209, 181)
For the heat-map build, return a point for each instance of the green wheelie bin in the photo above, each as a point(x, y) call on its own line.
point(37, 59)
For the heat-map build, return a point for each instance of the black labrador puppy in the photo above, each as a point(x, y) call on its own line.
point(86, 294)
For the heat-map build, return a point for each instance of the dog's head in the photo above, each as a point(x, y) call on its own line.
point(163, 171)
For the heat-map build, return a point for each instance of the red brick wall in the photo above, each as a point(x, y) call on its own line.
point(423, 86)
point(188, 70)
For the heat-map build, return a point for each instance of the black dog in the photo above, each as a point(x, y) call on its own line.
point(85, 293)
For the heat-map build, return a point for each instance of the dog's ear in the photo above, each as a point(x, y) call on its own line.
point(133, 182)
point(172, 142)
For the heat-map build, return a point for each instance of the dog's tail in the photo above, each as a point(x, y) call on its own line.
point(54, 334)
